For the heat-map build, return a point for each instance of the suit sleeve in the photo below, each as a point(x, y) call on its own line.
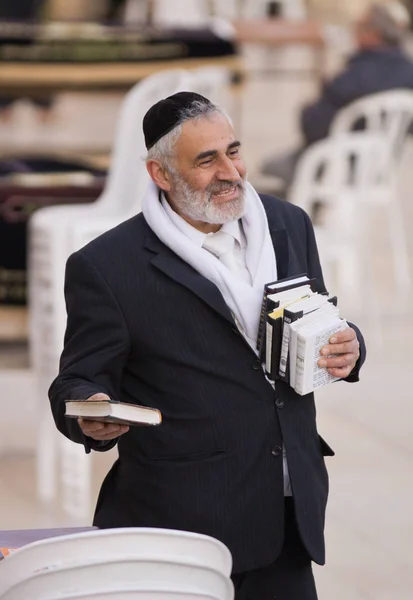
point(96, 346)
point(315, 270)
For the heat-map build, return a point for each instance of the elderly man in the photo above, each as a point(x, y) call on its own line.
point(163, 311)
point(378, 65)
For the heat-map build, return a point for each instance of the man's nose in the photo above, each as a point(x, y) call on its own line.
point(227, 170)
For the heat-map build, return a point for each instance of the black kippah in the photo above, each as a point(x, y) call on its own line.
point(164, 116)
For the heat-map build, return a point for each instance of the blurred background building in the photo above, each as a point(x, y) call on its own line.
point(65, 69)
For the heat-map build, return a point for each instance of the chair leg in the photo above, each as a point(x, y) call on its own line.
point(76, 474)
point(348, 273)
point(370, 297)
point(399, 244)
point(46, 454)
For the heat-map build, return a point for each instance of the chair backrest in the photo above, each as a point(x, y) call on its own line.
point(141, 594)
point(128, 179)
point(389, 113)
point(255, 9)
point(132, 574)
point(354, 164)
point(186, 13)
point(341, 176)
point(212, 82)
point(114, 544)
point(343, 173)
point(50, 229)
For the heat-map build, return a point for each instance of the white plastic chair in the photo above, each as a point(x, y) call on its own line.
point(141, 595)
point(350, 176)
point(158, 575)
point(188, 13)
point(213, 82)
point(294, 10)
point(135, 11)
point(114, 544)
point(51, 241)
point(254, 9)
point(386, 113)
point(389, 113)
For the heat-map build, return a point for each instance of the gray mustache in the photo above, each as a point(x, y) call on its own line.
point(223, 186)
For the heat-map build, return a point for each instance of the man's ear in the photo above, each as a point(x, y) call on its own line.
point(159, 175)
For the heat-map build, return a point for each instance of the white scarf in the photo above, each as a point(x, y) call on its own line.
point(243, 300)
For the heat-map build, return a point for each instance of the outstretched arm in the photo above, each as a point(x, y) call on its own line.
point(95, 349)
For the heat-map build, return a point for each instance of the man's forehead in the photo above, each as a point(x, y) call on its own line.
point(212, 133)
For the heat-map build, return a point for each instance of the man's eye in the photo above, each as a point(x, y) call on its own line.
point(234, 152)
point(205, 163)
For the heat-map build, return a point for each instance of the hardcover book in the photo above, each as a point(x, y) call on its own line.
point(269, 302)
point(309, 376)
point(111, 411)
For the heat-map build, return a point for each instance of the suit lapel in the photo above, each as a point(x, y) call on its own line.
point(177, 269)
point(174, 267)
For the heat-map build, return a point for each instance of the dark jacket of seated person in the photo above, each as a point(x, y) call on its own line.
point(368, 72)
point(378, 65)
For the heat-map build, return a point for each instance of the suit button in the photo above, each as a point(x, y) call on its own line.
point(256, 365)
point(279, 403)
point(276, 451)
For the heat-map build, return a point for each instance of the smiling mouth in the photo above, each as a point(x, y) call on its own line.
point(226, 192)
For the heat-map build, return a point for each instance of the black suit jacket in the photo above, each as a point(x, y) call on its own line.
point(145, 327)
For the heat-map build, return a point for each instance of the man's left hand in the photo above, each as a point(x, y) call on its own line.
point(345, 346)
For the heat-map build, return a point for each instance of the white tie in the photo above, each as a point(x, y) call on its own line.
point(222, 245)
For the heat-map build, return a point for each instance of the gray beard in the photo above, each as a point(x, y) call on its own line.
point(198, 206)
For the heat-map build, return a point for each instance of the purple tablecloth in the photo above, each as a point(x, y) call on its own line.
point(15, 538)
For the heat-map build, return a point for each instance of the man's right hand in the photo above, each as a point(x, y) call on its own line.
point(98, 430)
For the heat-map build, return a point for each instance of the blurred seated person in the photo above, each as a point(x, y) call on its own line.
point(378, 65)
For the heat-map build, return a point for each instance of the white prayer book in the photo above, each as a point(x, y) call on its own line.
point(291, 314)
point(310, 339)
point(325, 311)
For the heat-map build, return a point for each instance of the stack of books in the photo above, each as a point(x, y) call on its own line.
point(296, 322)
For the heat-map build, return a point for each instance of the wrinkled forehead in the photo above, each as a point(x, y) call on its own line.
point(212, 133)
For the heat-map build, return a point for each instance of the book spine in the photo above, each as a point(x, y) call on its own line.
point(268, 348)
point(266, 307)
point(262, 321)
point(292, 356)
point(300, 365)
point(289, 317)
point(273, 348)
point(282, 371)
